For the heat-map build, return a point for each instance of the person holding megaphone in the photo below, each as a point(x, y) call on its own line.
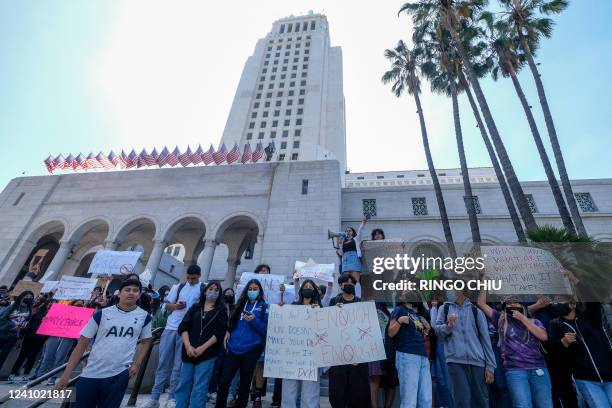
point(351, 252)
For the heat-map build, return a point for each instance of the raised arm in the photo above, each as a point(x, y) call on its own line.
point(482, 304)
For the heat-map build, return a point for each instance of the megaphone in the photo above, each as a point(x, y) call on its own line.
point(332, 235)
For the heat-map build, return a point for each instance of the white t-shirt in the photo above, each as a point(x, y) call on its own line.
point(117, 333)
point(190, 294)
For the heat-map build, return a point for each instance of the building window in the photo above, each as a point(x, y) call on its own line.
point(269, 95)
point(531, 203)
point(249, 136)
point(266, 63)
point(296, 53)
point(296, 144)
point(304, 74)
point(285, 133)
point(288, 112)
point(291, 92)
point(477, 205)
point(263, 78)
point(252, 125)
point(270, 86)
point(298, 132)
point(302, 83)
point(262, 124)
point(302, 92)
point(284, 69)
point(306, 52)
point(282, 29)
point(256, 105)
point(258, 96)
point(287, 122)
point(275, 123)
point(278, 103)
point(288, 46)
point(253, 115)
point(298, 122)
point(279, 94)
point(400, 176)
point(307, 44)
point(360, 177)
point(297, 45)
point(294, 67)
point(267, 55)
point(420, 175)
point(300, 111)
point(265, 114)
point(369, 207)
point(419, 206)
point(305, 26)
point(292, 83)
point(277, 54)
point(286, 61)
point(296, 59)
point(283, 145)
point(281, 85)
point(294, 156)
point(305, 66)
point(260, 135)
point(290, 101)
point(297, 27)
point(300, 101)
point(269, 48)
point(276, 113)
point(380, 177)
point(274, 69)
point(312, 25)
point(281, 157)
point(283, 76)
point(273, 134)
point(585, 202)
point(293, 75)
point(287, 53)
point(289, 27)
point(266, 104)
point(275, 62)
point(265, 70)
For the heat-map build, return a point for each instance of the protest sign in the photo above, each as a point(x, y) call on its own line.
point(347, 335)
point(386, 248)
point(525, 271)
point(23, 286)
point(270, 284)
point(313, 270)
point(289, 344)
point(72, 288)
point(65, 321)
point(49, 286)
point(114, 262)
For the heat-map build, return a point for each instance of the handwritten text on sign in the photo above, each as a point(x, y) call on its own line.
point(270, 284)
point(108, 263)
point(289, 344)
point(65, 321)
point(523, 270)
point(347, 335)
point(72, 288)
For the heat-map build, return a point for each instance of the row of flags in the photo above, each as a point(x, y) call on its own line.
point(164, 158)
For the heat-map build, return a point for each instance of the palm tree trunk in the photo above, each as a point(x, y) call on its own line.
point(515, 186)
point(469, 197)
point(550, 174)
point(434, 179)
point(518, 227)
point(554, 141)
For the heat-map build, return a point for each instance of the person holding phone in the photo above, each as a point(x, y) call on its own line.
point(520, 341)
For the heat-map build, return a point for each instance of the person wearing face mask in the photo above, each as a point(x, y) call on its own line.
point(349, 384)
point(520, 342)
point(244, 342)
point(309, 391)
point(13, 319)
point(202, 331)
point(579, 338)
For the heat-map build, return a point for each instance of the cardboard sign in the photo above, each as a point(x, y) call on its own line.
point(49, 286)
point(312, 270)
point(289, 344)
point(347, 335)
point(73, 288)
point(65, 321)
point(23, 286)
point(109, 263)
point(525, 271)
point(386, 248)
point(270, 284)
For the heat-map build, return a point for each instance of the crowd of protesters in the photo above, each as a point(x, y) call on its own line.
point(454, 353)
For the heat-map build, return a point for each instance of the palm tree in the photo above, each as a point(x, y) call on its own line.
point(508, 62)
point(403, 75)
point(452, 14)
point(440, 66)
point(523, 17)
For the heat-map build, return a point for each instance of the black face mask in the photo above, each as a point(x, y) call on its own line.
point(308, 293)
point(27, 301)
point(509, 310)
point(228, 299)
point(560, 309)
point(348, 289)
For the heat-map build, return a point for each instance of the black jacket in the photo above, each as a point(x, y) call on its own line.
point(201, 326)
point(590, 356)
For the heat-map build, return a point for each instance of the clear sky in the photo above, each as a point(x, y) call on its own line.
point(100, 75)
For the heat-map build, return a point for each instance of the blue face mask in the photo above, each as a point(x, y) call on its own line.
point(253, 294)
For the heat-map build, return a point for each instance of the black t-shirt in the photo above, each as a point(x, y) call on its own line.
point(410, 338)
point(339, 299)
point(349, 246)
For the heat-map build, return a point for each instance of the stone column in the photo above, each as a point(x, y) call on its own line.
point(205, 258)
point(111, 245)
point(230, 276)
point(155, 258)
point(258, 250)
point(57, 264)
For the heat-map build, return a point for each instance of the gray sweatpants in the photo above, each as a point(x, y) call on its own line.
point(468, 386)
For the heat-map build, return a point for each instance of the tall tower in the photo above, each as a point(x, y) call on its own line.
point(291, 93)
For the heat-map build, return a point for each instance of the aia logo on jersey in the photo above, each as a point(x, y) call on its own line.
point(120, 332)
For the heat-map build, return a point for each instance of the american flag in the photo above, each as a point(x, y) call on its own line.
point(149, 158)
point(91, 161)
point(207, 157)
point(116, 160)
point(196, 157)
point(103, 160)
point(220, 155)
point(234, 154)
point(131, 160)
point(161, 159)
point(79, 162)
point(49, 164)
point(140, 160)
point(68, 162)
point(185, 158)
point(257, 153)
point(173, 158)
point(58, 162)
point(154, 158)
point(246, 154)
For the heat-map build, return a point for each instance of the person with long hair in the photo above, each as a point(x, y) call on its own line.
point(351, 254)
point(309, 391)
point(202, 331)
point(13, 320)
point(520, 342)
point(244, 342)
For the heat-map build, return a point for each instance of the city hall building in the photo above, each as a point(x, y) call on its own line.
point(227, 218)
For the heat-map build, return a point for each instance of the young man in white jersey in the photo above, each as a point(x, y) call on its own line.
point(111, 362)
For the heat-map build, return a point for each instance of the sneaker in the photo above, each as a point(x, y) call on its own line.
point(171, 404)
point(212, 397)
point(151, 404)
point(12, 379)
point(51, 382)
point(25, 378)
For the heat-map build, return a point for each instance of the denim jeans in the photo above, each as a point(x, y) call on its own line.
point(441, 386)
point(499, 396)
point(55, 353)
point(468, 386)
point(193, 385)
point(415, 380)
point(595, 393)
point(170, 348)
point(528, 389)
point(304, 394)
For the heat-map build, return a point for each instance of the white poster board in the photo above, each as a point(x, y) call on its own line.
point(312, 270)
point(525, 271)
point(49, 286)
point(73, 288)
point(347, 335)
point(289, 344)
point(107, 263)
point(270, 284)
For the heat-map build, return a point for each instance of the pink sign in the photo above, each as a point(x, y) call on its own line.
point(65, 321)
